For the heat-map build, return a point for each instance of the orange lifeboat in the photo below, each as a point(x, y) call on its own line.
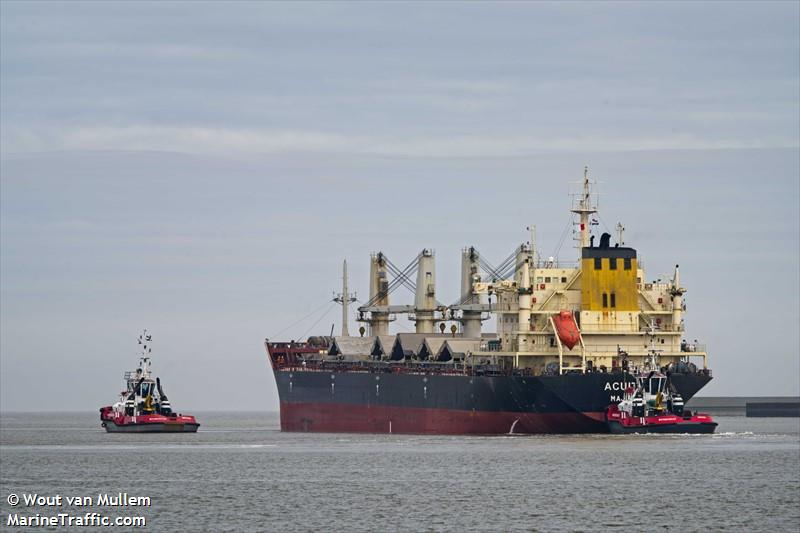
point(567, 329)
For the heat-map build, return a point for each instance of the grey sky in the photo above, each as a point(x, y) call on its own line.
point(202, 170)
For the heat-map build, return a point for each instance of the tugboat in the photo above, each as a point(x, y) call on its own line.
point(654, 406)
point(143, 407)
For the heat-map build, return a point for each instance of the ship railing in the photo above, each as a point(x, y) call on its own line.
point(690, 347)
point(492, 346)
point(437, 368)
point(404, 367)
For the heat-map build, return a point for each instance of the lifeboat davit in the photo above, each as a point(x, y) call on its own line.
point(567, 329)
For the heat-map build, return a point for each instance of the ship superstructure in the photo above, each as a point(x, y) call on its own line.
point(562, 330)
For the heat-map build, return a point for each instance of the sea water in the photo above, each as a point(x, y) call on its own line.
point(240, 473)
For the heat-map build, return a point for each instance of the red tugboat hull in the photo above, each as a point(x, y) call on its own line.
point(684, 427)
point(669, 423)
point(148, 423)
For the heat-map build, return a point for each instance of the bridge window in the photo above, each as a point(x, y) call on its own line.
point(563, 280)
point(598, 263)
point(612, 263)
point(613, 299)
point(627, 263)
point(656, 385)
point(547, 280)
point(605, 300)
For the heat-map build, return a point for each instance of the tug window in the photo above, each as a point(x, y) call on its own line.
point(547, 280)
point(563, 280)
point(605, 300)
point(598, 263)
point(627, 262)
point(613, 299)
point(612, 263)
point(655, 385)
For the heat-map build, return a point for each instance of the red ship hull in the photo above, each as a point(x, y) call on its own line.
point(349, 418)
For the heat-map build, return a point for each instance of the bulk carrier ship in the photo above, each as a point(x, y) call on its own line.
point(568, 339)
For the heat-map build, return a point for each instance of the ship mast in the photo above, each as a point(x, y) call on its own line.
point(583, 207)
point(144, 358)
point(345, 298)
point(620, 233)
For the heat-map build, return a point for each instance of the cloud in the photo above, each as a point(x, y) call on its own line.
point(219, 141)
point(255, 142)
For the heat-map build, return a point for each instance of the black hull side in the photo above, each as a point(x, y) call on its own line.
point(570, 403)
